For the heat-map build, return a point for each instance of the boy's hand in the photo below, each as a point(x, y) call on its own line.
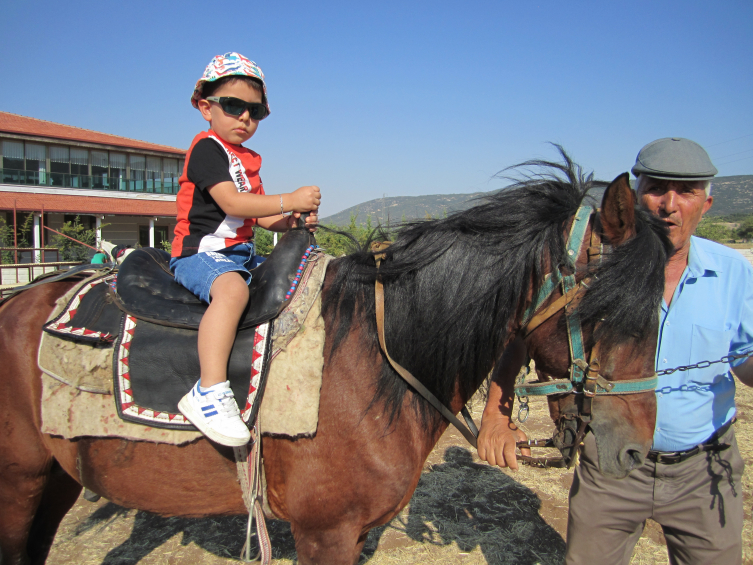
point(312, 220)
point(306, 199)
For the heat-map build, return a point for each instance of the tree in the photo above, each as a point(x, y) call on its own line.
point(72, 250)
point(745, 230)
point(713, 229)
point(6, 240)
point(263, 241)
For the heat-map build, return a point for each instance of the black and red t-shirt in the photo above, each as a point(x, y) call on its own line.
point(202, 225)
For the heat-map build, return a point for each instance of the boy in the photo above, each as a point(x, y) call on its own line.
point(221, 198)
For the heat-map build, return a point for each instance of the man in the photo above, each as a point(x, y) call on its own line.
point(691, 480)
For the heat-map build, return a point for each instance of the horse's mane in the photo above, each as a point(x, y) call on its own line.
point(454, 287)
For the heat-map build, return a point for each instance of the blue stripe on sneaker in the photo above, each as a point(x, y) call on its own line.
point(207, 407)
point(211, 414)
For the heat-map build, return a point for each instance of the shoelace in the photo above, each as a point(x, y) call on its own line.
point(226, 402)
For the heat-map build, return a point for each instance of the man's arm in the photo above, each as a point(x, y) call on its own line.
point(498, 434)
point(744, 371)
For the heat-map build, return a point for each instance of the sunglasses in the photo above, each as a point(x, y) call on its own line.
point(236, 107)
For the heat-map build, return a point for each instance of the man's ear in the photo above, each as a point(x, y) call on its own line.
point(707, 205)
point(618, 210)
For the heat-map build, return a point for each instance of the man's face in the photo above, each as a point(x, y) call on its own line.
point(680, 204)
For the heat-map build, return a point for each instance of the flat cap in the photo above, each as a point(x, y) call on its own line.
point(674, 158)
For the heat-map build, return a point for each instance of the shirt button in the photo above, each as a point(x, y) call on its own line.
point(660, 395)
point(664, 361)
point(667, 322)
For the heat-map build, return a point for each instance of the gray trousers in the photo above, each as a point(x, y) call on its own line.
point(698, 502)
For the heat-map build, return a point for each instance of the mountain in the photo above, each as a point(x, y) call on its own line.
point(732, 195)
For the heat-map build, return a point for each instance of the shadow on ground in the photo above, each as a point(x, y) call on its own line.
point(458, 501)
point(222, 536)
point(476, 505)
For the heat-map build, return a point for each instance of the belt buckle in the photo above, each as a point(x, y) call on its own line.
point(668, 458)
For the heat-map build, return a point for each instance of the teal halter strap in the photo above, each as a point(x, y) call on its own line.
point(579, 366)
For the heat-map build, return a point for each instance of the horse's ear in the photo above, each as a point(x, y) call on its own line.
point(618, 210)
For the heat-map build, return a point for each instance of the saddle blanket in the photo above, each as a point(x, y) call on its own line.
point(86, 406)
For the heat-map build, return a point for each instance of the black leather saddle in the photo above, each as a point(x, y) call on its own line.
point(147, 290)
point(161, 362)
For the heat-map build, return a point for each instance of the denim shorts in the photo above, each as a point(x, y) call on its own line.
point(198, 272)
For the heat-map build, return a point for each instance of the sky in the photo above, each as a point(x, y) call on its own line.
point(401, 98)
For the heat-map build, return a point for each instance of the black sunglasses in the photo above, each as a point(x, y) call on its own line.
point(236, 107)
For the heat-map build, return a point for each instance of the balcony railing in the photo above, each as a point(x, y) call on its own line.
point(65, 180)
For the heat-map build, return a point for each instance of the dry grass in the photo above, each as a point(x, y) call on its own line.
point(463, 512)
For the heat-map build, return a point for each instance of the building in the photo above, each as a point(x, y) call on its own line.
point(123, 187)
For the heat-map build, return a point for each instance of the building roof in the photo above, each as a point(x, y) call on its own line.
point(29, 201)
point(13, 123)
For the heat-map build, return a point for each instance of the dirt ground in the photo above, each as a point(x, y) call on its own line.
point(463, 512)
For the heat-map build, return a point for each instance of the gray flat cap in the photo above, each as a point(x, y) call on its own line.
point(674, 158)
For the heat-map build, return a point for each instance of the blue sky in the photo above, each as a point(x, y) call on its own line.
point(400, 98)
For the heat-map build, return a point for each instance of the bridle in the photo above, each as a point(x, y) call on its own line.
point(585, 380)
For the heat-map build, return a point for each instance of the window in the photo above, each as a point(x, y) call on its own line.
point(99, 169)
point(138, 170)
point(170, 175)
point(13, 161)
point(80, 168)
point(60, 165)
point(160, 236)
point(89, 222)
point(118, 171)
point(153, 174)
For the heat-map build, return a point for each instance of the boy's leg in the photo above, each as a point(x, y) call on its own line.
point(219, 325)
point(218, 279)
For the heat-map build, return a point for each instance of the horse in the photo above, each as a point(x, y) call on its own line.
point(456, 291)
point(116, 253)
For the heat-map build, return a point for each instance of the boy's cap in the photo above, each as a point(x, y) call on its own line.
point(674, 158)
point(227, 65)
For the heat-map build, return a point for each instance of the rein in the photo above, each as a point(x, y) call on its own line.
point(585, 377)
point(471, 432)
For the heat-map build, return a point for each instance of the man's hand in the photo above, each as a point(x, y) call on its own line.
point(496, 441)
point(498, 435)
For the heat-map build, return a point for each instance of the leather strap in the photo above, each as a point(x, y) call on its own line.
point(551, 310)
point(402, 371)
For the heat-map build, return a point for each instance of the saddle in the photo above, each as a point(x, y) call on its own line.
point(148, 291)
point(151, 322)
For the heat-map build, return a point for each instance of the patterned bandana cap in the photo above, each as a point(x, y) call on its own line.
point(227, 65)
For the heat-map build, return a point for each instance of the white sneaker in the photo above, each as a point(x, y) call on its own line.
point(216, 414)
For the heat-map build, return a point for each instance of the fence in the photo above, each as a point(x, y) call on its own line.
point(24, 269)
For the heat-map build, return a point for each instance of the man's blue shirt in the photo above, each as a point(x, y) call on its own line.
point(710, 316)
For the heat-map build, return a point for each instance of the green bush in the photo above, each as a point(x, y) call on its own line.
point(71, 250)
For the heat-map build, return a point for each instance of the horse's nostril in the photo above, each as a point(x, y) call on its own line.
point(634, 458)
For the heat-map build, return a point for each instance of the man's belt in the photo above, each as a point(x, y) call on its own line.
point(712, 444)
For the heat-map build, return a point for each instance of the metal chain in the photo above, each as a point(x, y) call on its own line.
point(523, 409)
point(704, 364)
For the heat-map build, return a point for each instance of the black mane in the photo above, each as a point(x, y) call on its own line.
point(453, 287)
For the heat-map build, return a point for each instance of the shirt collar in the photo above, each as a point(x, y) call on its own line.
point(699, 261)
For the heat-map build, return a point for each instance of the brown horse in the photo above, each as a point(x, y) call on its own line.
point(455, 292)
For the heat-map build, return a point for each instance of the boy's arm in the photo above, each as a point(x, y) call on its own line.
point(284, 223)
point(247, 205)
